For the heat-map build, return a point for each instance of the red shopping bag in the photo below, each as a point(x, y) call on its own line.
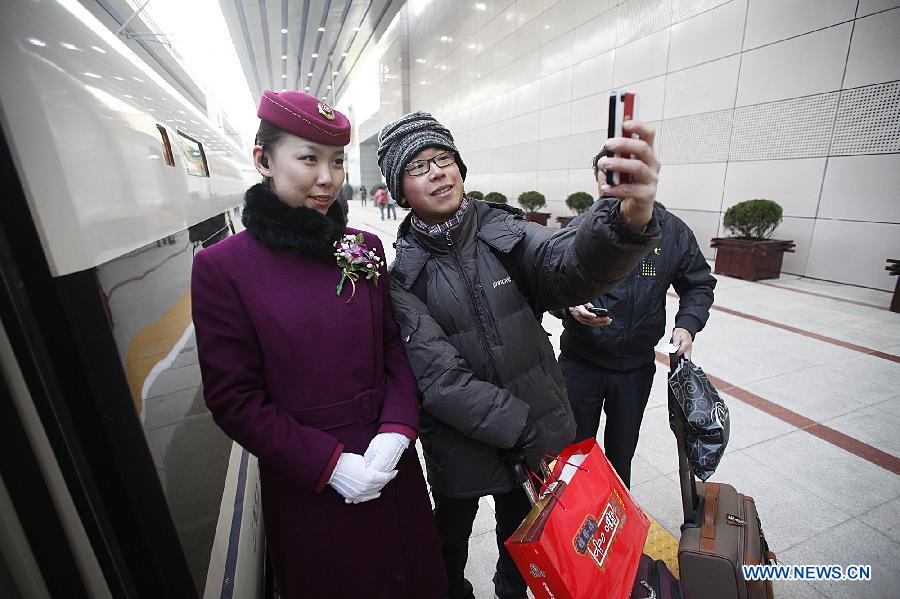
point(583, 538)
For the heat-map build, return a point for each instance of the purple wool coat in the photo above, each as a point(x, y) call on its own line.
point(296, 374)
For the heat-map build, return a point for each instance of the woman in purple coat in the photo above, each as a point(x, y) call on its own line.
point(303, 365)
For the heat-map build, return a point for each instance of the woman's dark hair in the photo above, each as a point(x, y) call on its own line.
point(266, 137)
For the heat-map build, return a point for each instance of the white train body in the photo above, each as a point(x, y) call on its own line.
point(86, 121)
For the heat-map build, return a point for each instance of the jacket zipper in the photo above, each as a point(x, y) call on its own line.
point(481, 334)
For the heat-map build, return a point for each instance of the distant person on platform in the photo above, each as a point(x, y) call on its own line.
point(343, 200)
point(303, 365)
point(362, 194)
point(608, 362)
point(469, 283)
point(384, 201)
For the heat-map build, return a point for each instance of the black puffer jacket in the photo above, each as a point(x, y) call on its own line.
point(637, 305)
point(482, 361)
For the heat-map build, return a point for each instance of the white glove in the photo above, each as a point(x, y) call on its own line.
point(355, 481)
point(384, 451)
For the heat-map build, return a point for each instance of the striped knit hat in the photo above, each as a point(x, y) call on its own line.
point(399, 141)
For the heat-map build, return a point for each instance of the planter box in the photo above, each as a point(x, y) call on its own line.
point(564, 221)
point(538, 217)
point(750, 259)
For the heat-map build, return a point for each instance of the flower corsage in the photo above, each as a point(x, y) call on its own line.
point(356, 261)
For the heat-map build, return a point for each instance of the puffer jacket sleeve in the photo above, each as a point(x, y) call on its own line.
point(401, 406)
point(694, 282)
point(576, 264)
point(234, 388)
point(450, 391)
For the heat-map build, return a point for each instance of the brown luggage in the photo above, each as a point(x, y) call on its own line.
point(721, 533)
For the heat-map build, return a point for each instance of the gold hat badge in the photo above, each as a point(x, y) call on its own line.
point(326, 111)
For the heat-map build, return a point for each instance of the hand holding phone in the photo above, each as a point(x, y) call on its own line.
point(601, 312)
point(623, 106)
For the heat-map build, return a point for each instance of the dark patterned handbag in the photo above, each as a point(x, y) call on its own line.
point(697, 404)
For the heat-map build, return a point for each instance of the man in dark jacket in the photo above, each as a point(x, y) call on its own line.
point(608, 361)
point(466, 286)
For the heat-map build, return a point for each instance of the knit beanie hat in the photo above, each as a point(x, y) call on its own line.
point(399, 141)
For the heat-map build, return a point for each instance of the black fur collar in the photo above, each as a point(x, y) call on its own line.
point(303, 230)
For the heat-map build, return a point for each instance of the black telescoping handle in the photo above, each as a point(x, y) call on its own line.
point(690, 502)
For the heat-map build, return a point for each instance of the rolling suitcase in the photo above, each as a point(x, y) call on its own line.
point(721, 533)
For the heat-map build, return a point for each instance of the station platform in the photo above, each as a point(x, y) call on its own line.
point(810, 371)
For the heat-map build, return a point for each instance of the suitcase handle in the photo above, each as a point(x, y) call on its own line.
point(691, 502)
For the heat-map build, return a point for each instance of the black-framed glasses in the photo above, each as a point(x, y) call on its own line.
point(420, 167)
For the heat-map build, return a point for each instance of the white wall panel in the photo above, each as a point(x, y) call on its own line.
point(586, 9)
point(524, 157)
point(595, 37)
point(862, 188)
point(805, 65)
point(875, 50)
point(637, 18)
point(590, 113)
point(583, 147)
point(504, 23)
point(641, 59)
point(557, 54)
point(704, 88)
point(552, 183)
point(651, 96)
point(527, 68)
point(581, 179)
point(593, 75)
point(557, 19)
point(528, 37)
point(526, 10)
point(796, 128)
point(555, 121)
point(794, 184)
point(528, 98)
point(556, 88)
point(692, 186)
point(854, 252)
point(774, 20)
point(527, 127)
point(800, 231)
point(720, 29)
point(867, 7)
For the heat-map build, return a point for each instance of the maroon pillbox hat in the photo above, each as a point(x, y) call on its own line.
point(305, 116)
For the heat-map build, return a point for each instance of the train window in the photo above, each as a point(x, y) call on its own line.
point(194, 156)
point(167, 146)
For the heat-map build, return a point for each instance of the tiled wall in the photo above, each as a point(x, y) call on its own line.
point(797, 101)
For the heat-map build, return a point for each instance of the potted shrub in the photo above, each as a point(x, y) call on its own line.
point(577, 202)
point(475, 194)
point(531, 201)
point(495, 197)
point(749, 254)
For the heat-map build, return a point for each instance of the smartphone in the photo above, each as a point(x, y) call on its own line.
point(598, 311)
point(623, 106)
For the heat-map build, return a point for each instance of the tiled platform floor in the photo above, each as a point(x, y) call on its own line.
point(825, 473)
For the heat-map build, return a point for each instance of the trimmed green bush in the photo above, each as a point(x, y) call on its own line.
point(531, 200)
point(753, 219)
point(580, 201)
point(475, 194)
point(496, 197)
